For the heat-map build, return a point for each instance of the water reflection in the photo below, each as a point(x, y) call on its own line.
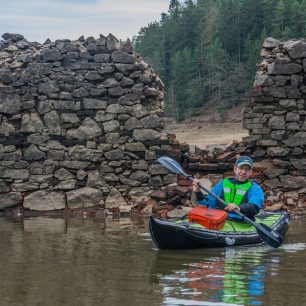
point(92, 261)
point(75, 261)
point(233, 276)
point(43, 224)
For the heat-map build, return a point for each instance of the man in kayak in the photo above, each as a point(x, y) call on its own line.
point(239, 192)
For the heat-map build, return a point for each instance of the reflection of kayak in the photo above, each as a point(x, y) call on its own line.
point(182, 234)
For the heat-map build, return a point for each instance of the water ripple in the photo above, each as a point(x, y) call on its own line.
point(293, 247)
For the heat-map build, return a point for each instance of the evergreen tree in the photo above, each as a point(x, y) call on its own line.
point(206, 51)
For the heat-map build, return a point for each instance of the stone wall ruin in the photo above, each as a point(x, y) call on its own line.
point(276, 120)
point(80, 124)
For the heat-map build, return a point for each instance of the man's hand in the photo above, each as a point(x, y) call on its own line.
point(231, 207)
point(195, 185)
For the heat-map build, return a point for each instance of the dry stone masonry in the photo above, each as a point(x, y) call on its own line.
point(80, 124)
point(276, 120)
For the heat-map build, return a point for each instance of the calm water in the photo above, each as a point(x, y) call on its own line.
point(79, 261)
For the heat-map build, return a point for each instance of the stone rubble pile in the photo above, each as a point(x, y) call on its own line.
point(80, 125)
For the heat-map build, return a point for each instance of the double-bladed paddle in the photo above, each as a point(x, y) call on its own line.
point(267, 234)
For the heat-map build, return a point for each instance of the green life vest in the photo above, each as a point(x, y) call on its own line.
point(234, 193)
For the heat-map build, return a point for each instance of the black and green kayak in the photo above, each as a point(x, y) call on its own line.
point(181, 234)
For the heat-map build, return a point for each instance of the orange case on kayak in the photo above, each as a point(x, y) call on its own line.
point(210, 218)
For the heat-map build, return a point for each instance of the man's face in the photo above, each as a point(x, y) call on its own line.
point(243, 173)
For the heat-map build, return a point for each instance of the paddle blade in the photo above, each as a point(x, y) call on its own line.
point(171, 165)
point(269, 236)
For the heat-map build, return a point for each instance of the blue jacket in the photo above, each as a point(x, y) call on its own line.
point(254, 196)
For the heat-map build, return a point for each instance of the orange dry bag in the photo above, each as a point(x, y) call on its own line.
point(210, 218)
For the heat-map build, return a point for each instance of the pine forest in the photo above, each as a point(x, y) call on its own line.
point(206, 51)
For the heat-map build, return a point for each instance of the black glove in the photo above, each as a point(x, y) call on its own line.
point(249, 209)
point(200, 196)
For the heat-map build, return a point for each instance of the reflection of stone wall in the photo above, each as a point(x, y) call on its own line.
point(79, 123)
point(276, 119)
point(61, 258)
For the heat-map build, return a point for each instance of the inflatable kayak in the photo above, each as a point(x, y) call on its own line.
point(182, 234)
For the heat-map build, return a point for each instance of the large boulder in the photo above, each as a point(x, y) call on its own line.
point(44, 200)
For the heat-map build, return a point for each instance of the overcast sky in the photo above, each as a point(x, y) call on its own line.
point(38, 20)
